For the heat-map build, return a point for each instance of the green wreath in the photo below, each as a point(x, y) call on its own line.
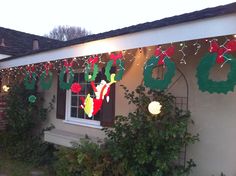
point(87, 76)
point(206, 84)
point(46, 85)
point(30, 83)
point(118, 75)
point(66, 85)
point(153, 83)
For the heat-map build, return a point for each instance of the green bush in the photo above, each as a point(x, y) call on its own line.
point(139, 144)
point(23, 136)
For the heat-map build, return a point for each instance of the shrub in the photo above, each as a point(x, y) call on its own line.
point(23, 136)
point(139, 144)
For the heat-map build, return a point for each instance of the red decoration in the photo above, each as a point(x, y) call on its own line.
point(47, 66)
point(93, 60)
point(230, 46)
point(75, 88)
point(68, 64)
point(162, 54)
point(30, 69)
point(116, 57)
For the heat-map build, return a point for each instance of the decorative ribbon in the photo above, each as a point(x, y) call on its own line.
point(48, 66)
point(68, 64)
point(115, 57)
point(30, 69)
point(162, 54)
point(230, 46)
point(93, 60)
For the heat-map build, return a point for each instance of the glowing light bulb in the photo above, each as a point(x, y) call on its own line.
point(154, 107)
point(5, 88)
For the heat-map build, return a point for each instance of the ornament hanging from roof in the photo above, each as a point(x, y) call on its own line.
point(161, 58)
point(217, 54)
point(46, 73)
point(67, 68)
point(116, 61)
point(30, 77)
point(92, 64)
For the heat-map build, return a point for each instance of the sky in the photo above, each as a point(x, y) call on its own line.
point(41, 16)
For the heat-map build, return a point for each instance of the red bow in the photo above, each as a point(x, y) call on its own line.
point(68, 64)
point(30, 69)
point(115, 57)
point(162, 54)
point(230, 46)
point(93, 60)
point(48, 66)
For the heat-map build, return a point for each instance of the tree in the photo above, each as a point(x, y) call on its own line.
point(65, 33)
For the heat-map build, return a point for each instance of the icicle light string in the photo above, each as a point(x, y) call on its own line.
point(182, 60)
point(198, 45)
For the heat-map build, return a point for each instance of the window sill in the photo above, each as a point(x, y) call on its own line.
point(83, 124)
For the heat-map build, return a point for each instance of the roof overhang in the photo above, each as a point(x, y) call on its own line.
point(204, 28)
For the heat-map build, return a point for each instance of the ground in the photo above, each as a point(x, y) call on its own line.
point(9, 167)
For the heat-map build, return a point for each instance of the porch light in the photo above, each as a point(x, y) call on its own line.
point(154, 107)
point(5, 88)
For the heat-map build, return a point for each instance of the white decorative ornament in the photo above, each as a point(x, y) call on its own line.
point(154, 107)
point(5, 88)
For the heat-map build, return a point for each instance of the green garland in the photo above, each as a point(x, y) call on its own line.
point(87, 75)
point(206, 84)
point(66, 85)
point(120, 73)
point(46, 85)
point(153, 83)
point(30, 84)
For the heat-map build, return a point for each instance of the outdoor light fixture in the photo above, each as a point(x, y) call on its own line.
point(234, 35)
point(154, 107)
point(5, 88)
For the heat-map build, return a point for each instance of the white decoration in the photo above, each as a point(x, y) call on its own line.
point(154, 107)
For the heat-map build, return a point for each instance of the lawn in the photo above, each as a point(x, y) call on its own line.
point(10, 167)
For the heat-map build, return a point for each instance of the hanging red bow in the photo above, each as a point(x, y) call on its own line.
point(115, 57)
point(162, 54)
point(30, 69)
point(68, 64)
point(230, 46)
point(93, 60)
point(47, 66)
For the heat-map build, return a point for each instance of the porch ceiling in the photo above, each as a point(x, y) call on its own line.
point(203, 28)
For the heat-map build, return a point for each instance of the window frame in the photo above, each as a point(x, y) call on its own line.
point(78, 121)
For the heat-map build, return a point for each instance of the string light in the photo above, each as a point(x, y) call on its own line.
point(198, 45)
point(182, 60)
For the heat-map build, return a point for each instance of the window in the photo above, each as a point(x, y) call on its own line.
point(74, 113)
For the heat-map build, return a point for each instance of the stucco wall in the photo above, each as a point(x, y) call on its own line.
point(214, 114)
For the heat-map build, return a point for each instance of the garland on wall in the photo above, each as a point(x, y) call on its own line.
point(218, 54)
point(161, 58)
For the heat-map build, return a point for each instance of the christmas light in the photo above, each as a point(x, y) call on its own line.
point(5, 88)
point(154, 107)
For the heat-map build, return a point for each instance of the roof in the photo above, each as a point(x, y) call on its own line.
point(178, 19)
point(18, 43)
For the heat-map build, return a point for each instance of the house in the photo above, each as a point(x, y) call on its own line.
point(195, 42)
point(16, 43)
